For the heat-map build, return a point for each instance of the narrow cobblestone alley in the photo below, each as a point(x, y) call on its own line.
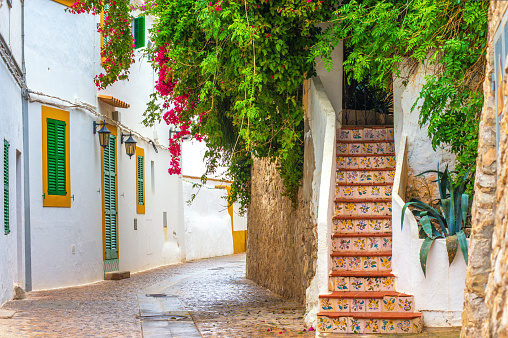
point(214, 291)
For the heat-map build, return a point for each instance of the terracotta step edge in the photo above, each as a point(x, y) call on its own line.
point(360, 234)
point(361, 254)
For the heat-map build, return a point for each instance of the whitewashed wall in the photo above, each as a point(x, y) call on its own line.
point(11, 245)
point(63, 56)
point(207, 223)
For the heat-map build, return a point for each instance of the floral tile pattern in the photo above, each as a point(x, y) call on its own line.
point(341, 177)
point(343, 244)
point(340, 325)
point(365, 162)
point(390, 162)
point(359, 244)
point(342, 148)
point(404, 326)
point(357, 305)
point(361, 226)
point(380, 148)
point(355, 325)
point(373, 243)
point(375, 225)
point(346, 226)
point(344, 135)
point(352, 177)
point(354, 263)
point(368, 148)
point(387, 225)
point(357, 134)
point(389, 304)
point(325, 305)
point(369, 263)
point(390, 147)
point(405, 304)
point(372, 326)
point(342, 305)
point(386, 243)
point(336, 225)
point(357, 284)
point(380, 133)
point(340, 162)
point(341, 283)
point(385, 263)
point(354, 148)
point(388, 284)
point(348, 192)
point(368, 134)
point(389, 134)
point(340, 263)
point(324, 324)
point(378, 162)
point(352, 162)
point(387, 191)
point(373, 305)
point(388, 326)
point(372, 284)
point(417, 325)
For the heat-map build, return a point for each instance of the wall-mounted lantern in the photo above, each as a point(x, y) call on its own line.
point(103, 133)
point(130, 144)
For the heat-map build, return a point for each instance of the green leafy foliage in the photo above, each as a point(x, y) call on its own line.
point(449, 36)
point(447, 221)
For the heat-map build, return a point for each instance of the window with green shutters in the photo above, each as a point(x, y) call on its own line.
point(105, 40)
point(141, 200)
point(56, 157)
point(6, 187)
point(138, 31)
point(110, 211)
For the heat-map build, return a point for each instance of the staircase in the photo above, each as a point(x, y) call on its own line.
point(363, 297)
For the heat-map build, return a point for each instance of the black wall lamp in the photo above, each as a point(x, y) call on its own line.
point(103, 133)
point(130, 144)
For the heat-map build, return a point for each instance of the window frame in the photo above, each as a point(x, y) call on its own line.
point(140, 208)
point(67, 3)
point(61, 201)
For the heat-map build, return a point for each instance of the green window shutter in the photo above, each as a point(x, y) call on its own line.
point(140, 180)
point(110, 213)
point(57, 174)
point(6, 188)
point(105, 40)
point(139, 32)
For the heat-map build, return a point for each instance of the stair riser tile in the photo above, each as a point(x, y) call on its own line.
point(358, 326)
point(376, 191)
point(377, 148)
point(382, 263)
point(361, 176)
point(367, 162)
point(369, 134)
point(358, 226)
point(368, 284)
point(363, 209)
point(388, 304)
point(363, 244)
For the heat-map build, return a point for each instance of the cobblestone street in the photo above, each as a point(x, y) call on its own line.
point(220, 300)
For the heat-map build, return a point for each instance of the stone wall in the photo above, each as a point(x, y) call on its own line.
point(496, 300)
point(281, 240)
point(483, 209)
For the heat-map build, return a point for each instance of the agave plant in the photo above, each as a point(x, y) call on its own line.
point(447, 220)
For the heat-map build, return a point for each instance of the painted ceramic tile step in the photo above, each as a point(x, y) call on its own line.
point(363, 208)
point(375, 161)
point(374, 323)
point(386, 304)
point(356, 284)
point(365, 147)
point(361, 244)
point(362, 234)
point(383, 175)
point(362, 224)
point(361, 261)
point(362, 192)
point(356, 134)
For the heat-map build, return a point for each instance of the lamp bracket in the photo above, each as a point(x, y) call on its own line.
point(154, 147)
point(95, 125)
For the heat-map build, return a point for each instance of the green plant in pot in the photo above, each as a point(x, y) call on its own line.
point(447, 220)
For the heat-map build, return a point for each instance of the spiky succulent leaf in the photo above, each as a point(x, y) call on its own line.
point(465, 206)
point(446, 206)
point(427, 226)
point(424, 253)
point(461, 237)
point(452, 245)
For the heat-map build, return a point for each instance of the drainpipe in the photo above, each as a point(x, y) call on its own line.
point(26, 160)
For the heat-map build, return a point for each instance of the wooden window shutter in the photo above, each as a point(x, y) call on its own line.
point(6, 188)
point(57, 183)
point(141, 199)
point(139, 32)
point(105, 13)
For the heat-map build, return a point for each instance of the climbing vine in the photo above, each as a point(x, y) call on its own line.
point(449, 36)
point(230, 72)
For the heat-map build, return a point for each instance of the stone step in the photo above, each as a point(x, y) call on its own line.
point(362, 234)
point(357, 283)
point(361, 261)
point(360, 193)
point(117, 275)
point(362, 224)
point(368, 176)
point(365, 162)
point(365, 133)
point(364, 208)
point(365, 147)
point(371, 245)
point(370, 322)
